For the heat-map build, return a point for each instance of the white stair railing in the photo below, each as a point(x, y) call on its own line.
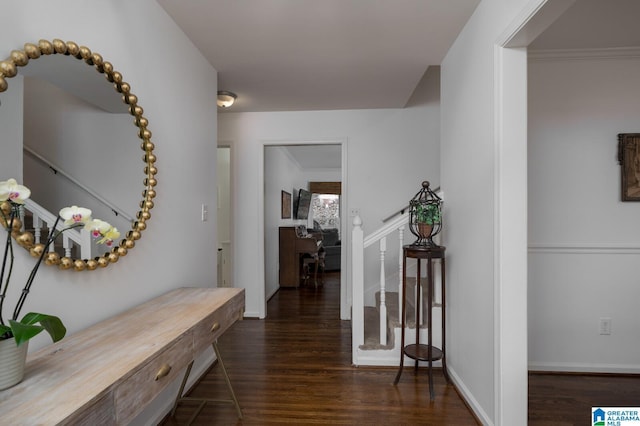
point(383, 290)
point(400, 268)
point(42, 218)
point(395, 223)
point(359, 243)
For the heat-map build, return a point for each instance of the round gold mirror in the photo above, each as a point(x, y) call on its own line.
point(9, 68)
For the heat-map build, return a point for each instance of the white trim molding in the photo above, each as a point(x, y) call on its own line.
point(580, 367)
point(582, 54)
point(586, 248)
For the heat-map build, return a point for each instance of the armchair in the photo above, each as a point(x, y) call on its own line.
point(333, 249)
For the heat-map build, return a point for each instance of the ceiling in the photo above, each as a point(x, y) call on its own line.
point(316, 156)
point(593, 24)
point(303, 55)
point(292, 55)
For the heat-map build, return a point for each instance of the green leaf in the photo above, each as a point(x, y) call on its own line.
point(33, 323)
point(53, 325)
point(24, 332)
point(4, 329)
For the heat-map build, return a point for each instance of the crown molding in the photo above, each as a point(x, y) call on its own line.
point(581, 54)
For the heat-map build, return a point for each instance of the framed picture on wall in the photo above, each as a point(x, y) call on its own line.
point(285, 199)
point(629, 159)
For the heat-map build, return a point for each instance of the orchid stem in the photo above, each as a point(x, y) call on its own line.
point(8, 250)
point(25, 291)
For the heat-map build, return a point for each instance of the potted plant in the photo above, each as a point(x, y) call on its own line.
point(426, 215)
point(15, 332)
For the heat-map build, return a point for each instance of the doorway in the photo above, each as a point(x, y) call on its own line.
point(225, 225)
point(289, 166)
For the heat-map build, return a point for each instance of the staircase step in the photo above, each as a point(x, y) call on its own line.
point(393, 308)
point(372, 330)
point(372, 316)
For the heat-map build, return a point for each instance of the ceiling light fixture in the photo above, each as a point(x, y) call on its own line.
point(226, 99)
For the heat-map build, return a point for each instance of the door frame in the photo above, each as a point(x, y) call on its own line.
point(345, 281)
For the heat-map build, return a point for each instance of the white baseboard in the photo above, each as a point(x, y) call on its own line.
point(251, 314)
point(572, 367)
point(469, 399)
point(387, 358)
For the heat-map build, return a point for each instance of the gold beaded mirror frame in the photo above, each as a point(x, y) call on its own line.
point(9, 68)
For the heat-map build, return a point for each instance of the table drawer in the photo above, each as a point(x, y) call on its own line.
point(212, 327)
point(99, 412)
point(136, 392)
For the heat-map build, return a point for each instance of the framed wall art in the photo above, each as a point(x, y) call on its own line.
point(285, 200)
point(629, 159)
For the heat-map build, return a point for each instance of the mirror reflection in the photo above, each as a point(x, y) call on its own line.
point(79, 144)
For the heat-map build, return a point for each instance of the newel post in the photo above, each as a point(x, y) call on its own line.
point(357, 280)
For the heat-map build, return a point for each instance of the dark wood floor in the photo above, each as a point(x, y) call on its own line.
point(566, 399)
point(294, 367)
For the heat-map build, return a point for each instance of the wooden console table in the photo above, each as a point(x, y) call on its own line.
point(108, 373)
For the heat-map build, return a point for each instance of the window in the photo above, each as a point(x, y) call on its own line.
point(326, 210)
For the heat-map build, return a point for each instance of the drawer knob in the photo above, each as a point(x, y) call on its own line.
point(215, 326)
point(164, 370)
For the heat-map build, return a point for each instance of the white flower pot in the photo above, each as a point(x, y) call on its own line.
point(12, 360)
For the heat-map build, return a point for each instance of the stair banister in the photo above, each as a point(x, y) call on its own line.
point(358, 244)
point(57, 170)
point(406, 208)
point(70, 237)
point(385, 230)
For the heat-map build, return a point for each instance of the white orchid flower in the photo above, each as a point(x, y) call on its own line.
point(74, 215)
point(97, 227)
point(11, 191)
point(111, 234)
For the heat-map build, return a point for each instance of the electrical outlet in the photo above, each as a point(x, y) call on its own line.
point(354, 212)
point(605, 326)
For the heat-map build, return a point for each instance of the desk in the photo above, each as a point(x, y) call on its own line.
point(417, 351)
point(292, 250)
point(107, 373)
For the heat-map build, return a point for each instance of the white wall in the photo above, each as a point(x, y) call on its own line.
point(177, 249)
point(389, 152)
point(584, 241)
point(486, 296)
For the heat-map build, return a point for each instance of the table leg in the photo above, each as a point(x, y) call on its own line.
point(203, 401)
point(444, 328)
point(402, 320)
point(226, 378)
point(315, 272)
point(429, 323)
point(418, 308)
point(184, 382)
